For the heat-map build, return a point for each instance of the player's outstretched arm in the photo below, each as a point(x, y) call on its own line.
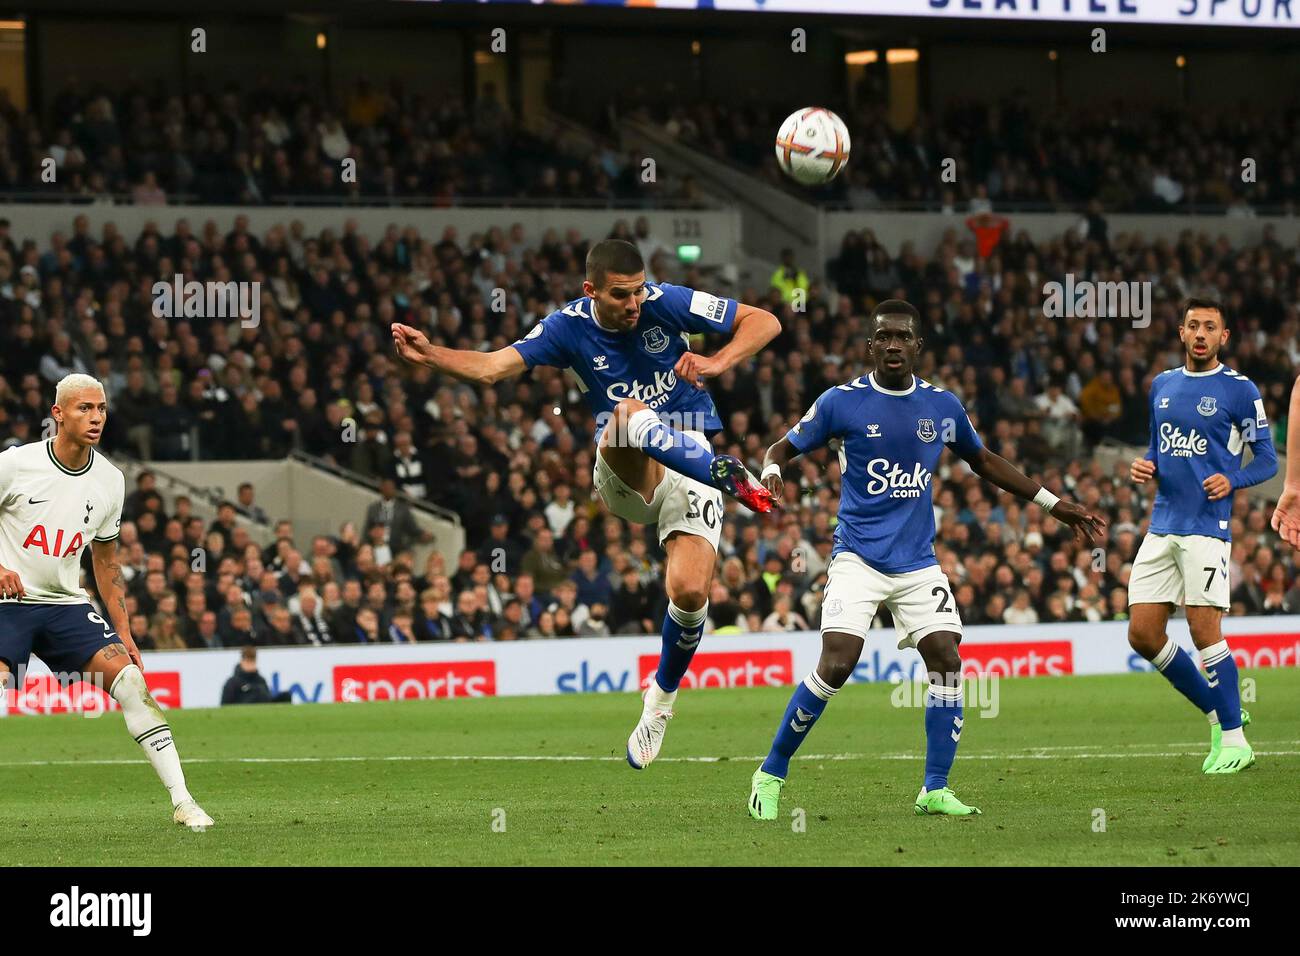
point(774, 462)
point(753, 328)
point(112, 593)
point(1286, 517)
point(993, 468)
point(481, 368)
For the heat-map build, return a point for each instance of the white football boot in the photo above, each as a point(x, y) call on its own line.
point(190, 814)
point(648, 736)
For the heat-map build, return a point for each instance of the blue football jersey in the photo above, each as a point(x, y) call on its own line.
point(612, 366)
point(1201, 423)
point(890, 443)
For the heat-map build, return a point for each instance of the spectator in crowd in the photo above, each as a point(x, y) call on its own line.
point(309, 623)
point(248, 686)
point(542, 564)
point(789, 278)
point(395, 518)
point(247, 506)
point(784, 617)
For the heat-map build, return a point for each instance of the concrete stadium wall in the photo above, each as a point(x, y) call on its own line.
point(717, 232)
point(925, 230)
point(315, 501)
point(244, 51)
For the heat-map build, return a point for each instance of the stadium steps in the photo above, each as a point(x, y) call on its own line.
point(771, 219)
point(317, 497)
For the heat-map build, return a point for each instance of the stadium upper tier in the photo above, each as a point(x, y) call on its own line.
point(1005, 152)
point(290, 143)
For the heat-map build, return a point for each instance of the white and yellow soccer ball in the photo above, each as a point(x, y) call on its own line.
point(812, 146)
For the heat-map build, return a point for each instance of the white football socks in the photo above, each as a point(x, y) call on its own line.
point(146, 723)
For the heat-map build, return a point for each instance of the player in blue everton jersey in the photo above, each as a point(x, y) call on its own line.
point(1203, 416)
point(892, 428)
point(627, 341)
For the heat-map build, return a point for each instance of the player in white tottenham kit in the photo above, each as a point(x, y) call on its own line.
point(1203, 415)
point(56, 497)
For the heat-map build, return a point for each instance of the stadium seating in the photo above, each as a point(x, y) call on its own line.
point(519, 475)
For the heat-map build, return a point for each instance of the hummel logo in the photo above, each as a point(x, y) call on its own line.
point(33, 501)
point(873, 431)
point(956, 734)
point(600, 363)
point(800, 715)
point(689, 640)
point(1164, 403)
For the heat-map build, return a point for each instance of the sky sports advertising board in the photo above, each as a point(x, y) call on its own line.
point(352, 673)
point(1221, 13)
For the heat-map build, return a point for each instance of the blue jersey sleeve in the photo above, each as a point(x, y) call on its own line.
point(818, 426)
point(545, 344)
point(695, 311)
point(1252, 424)
point(1151, 417)
point(958, 432)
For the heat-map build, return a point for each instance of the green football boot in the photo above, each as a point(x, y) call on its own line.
point(1216, 741)
point(764, 792)
point(1233, 760)
point(942, 803)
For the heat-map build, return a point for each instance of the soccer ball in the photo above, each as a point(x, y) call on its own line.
point(812, 146)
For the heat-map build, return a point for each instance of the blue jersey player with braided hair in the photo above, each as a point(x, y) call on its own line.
point(1203, 417)
point(892, 428)
point(627, 342)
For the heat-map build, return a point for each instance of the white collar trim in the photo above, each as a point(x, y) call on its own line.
point(1213, 371)
point(889, 391)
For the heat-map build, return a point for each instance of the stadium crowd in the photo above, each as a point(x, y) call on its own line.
point(1009, 154)
point(267, 143)
point(515, 460)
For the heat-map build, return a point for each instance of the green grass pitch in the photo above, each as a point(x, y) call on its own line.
point(369, 783)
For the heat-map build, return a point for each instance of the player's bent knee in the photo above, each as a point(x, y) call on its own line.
point(1145, 643)
point(939, 651)
point(625, 409)
point(688, 597)
point(835, 671)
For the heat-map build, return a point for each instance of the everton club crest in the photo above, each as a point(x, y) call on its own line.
point(655, 339)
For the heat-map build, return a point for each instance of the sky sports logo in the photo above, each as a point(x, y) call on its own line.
point(416, 681)
point(77, 910)
point(1017, 659)
point(729, 669)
